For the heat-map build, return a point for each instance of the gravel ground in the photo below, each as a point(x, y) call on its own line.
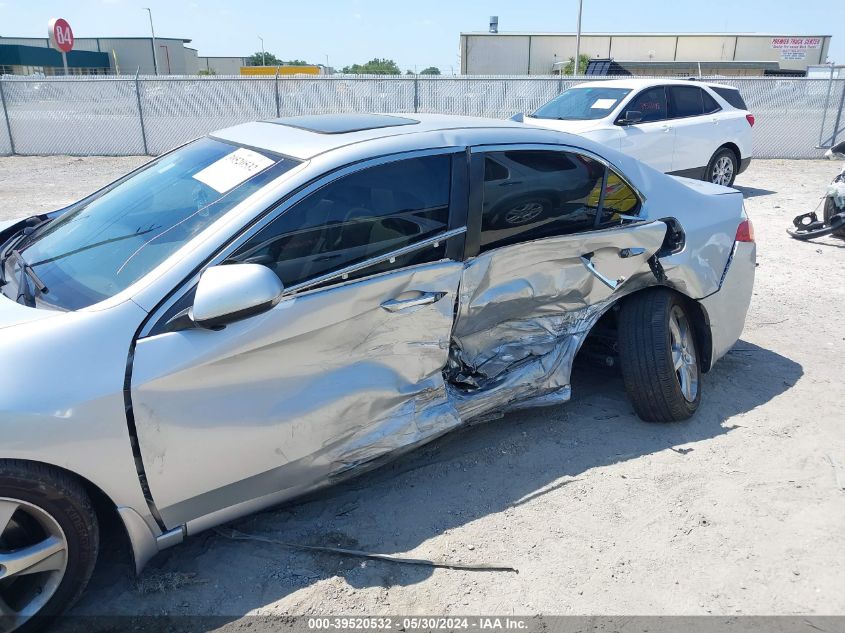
point(737, 511)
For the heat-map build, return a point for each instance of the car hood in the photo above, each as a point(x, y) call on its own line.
point(12, 313)
point(573, 127)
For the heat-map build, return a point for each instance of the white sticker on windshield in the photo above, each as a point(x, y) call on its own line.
point(603, 104)
point(232, 169)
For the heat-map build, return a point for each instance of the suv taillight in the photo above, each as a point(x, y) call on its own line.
point(750, 118)
point(745, 231)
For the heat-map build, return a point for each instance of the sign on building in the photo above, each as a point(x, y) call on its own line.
point(795, 47)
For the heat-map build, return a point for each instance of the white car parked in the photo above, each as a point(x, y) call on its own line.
point(684, 128)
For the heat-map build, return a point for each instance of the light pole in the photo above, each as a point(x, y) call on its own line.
point(155, 46)
point(263, 56)
point(578, 39)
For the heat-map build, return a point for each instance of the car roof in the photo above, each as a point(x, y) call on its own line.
point(306, 137)
point(637, 84)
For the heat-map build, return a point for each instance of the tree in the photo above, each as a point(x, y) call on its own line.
point(263, 59)
point(583, 60)
point(375, 66)
point(431, 70)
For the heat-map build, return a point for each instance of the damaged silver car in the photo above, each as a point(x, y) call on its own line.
point(278, 305)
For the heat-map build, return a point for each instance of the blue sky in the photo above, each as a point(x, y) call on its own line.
point(415, 34)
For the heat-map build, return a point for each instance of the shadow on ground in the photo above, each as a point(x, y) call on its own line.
point(464, 476)
point(753, 192)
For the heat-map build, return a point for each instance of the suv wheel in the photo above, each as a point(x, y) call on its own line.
point(658, 356)
point(722, 168)
point(48, 543)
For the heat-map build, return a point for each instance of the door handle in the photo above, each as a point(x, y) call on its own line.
point(631, 252)
point(667, 128)
point(426, 298)
point(587, 260)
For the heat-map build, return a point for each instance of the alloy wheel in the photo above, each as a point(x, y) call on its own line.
point(683, 354)
point(524, 212)
point(723, 171)
point(33, 560)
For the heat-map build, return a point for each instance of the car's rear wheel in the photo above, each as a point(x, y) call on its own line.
point(830, 209)
point(722, 168)
point(658, 356)
point(48, 543)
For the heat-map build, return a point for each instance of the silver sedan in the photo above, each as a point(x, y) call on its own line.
point(281, 304)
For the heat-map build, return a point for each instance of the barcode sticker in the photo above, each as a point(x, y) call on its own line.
point(232, 169)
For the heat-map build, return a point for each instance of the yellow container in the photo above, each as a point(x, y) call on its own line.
point(281, 70)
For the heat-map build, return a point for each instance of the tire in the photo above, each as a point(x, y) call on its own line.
point(40, 505)
point(722, 168)
point(830, 209)
point(648, 356)
point(521, 211)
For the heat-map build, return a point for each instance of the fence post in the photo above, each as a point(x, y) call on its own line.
point(560, 82)
point(6, 113)
point(278, 106)
point(835, 132)
point(826, 104)
point(416, 93)
point(141, 111)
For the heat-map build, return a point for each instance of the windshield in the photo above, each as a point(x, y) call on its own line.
point(103, 244)
point(582, 104)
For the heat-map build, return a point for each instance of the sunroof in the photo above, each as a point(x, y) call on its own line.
point(343, 123)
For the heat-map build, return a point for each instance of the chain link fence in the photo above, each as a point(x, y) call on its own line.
point(149, 115)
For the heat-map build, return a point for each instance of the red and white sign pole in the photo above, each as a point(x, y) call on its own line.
point(61, 37)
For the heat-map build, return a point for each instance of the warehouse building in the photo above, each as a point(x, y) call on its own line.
point(98, 55)
point(669, 54)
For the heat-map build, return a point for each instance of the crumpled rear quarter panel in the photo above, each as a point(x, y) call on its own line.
point(526, 309)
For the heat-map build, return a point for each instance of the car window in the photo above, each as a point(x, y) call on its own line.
point(651, 103)
point(619, 199)
point(582, 104)
point(105, 243)
point(547, 193)
point(494, 170)
point(685, 101)
point(731, 95)
point(710, 105)
point(358, 217)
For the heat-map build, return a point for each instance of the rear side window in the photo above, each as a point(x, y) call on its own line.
point(685, 101)
point(710, 105)
point(651, 103)
point(358, 217)
point(619, 200)
point(732, 96)
point(542, 194)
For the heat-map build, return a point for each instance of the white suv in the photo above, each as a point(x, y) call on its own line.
point(685, 128)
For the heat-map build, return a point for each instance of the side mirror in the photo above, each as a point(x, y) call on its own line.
point(519, 117)
point(232, 292)
point(631, 117)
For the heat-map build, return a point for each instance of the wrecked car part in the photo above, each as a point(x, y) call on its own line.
point(236, 535)
point(808, 226)
point(339, 359)
point(525, 310)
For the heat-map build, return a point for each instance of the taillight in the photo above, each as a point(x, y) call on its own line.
point(745, 231)
point(750, 118)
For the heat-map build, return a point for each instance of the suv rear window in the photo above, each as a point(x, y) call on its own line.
point(731, 95)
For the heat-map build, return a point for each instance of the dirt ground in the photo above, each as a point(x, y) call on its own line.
point(737, 511)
